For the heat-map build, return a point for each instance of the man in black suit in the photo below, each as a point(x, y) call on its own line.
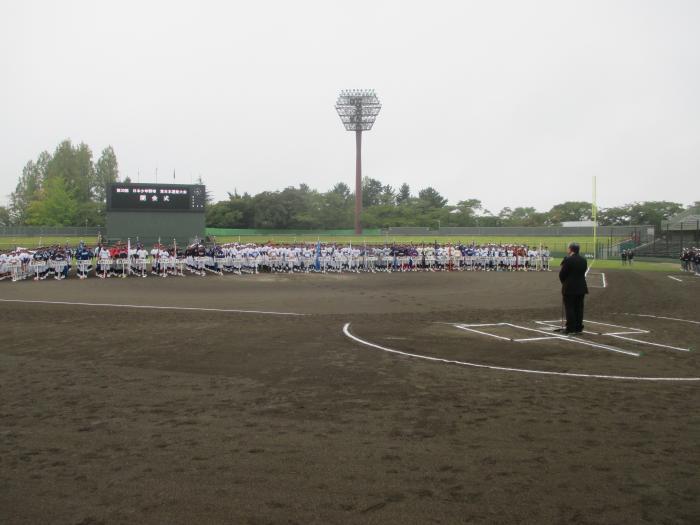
point(573, 288)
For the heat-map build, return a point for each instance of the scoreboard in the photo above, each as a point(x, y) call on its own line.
point(156, 197)
point(148, 212)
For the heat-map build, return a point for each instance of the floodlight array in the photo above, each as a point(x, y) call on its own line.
point(358, 108)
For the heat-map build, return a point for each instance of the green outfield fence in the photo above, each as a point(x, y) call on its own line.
point(611, 240)
point(49, 231)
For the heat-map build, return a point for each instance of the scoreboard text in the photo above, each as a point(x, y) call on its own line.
point(150, 197)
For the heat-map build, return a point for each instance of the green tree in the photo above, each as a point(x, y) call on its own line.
point(653, 212)
point(343, 190)
point(505, 215)
point(28, 188)
point(56, 207)
point(73, 165)
point(236, 212)
point(4, 216)
point(616, 215)
point(371, 192)
point(388, 196)
point(569, 211)
point(526, 216)
point(106, 172)
point(404, 194)
point(431, 198)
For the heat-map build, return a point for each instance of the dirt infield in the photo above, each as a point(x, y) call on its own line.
point(117, 414)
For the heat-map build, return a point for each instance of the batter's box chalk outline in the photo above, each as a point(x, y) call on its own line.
point(620, 335)
point(547, 335)
point(346, 331)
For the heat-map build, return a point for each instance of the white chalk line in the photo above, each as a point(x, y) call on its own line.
point(346, 331)
point(526, 339)
point(674, 278)
point(669, 347)
point(603, 281)
point(663, 317)
point(636, 330)
point(463, 327)
point(580, 341)
point(620, 335)
point(555, 324)
point(549, 335)
point(151, 307)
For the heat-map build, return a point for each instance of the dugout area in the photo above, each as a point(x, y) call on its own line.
point(123, 414)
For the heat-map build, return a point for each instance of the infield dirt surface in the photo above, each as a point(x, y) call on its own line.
point(124, 415)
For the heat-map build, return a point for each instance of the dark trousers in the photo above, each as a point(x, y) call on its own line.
point(573, 304)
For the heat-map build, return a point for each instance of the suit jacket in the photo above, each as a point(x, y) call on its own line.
point(573, 275)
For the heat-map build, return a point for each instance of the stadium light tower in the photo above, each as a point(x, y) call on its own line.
point(357, 109)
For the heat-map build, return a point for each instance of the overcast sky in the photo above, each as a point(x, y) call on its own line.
point(514, 103)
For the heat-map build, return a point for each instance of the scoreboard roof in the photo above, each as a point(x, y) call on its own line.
point(155, 197)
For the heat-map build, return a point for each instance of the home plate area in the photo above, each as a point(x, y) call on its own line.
point(597, 335)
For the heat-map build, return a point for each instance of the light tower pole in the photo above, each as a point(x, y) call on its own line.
point(358, 109)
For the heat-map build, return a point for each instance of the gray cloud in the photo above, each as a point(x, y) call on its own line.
point(515, 103)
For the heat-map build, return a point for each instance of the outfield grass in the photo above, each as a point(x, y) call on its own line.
point(616, 264)
point(355, 239)
point(558, 242)
point(8, 243)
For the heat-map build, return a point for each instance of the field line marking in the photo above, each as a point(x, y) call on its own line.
point(667, 318)
point(479, 325)
point(588, 321)
point(649, 343)
point(674, 278)
point(151, 307)
point(577, 340)
point(462, 327)
point(605, 283)
point(526, 339)
point(346, 331)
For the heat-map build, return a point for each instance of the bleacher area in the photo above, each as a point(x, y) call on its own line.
point(679, 232)
point(668, 246)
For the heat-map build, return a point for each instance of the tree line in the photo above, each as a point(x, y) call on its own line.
point(67, 188)
point(383, 206)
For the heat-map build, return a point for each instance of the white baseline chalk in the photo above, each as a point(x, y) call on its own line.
point(632, 329)
point(151, 307)
point(674, 278)
point(649, 343)
point(346, 331)
point(466, 327)
point(666, 318)
point(577, 340)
